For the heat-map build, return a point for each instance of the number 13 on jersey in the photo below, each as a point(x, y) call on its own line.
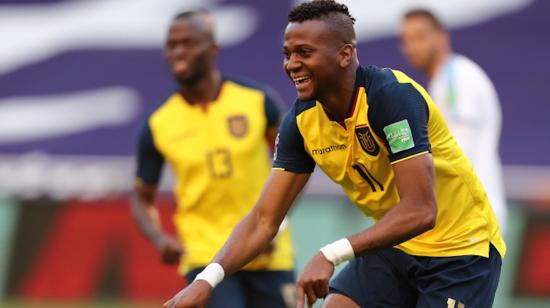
point(219, 163)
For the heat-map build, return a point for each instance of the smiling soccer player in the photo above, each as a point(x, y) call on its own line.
point(377, 133)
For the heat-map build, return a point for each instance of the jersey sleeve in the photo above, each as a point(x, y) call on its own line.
point(272, 109)
point(399, 116)
point(149, 159)
point(290, 154)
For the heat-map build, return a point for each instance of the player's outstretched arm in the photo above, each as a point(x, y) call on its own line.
point(414, 214)
point(147, 218)
point(249, 238)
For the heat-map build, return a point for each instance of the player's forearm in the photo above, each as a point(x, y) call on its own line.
point(147, 218)
point(415, 213)
point(256, 231)
point(400, 224)
point(249, 238)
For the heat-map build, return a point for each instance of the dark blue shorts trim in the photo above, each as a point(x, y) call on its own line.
point(252, 289)
point(392, 278)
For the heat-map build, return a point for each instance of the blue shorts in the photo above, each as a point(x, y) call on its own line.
point(392, 278)
point(252, 289)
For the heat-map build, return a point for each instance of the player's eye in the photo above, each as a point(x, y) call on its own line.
point(190, 43)
point(286, 55)
point(170, 44)
point(304, 52)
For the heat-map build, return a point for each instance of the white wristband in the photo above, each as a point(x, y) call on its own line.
point(213, 274)
point(338, 251)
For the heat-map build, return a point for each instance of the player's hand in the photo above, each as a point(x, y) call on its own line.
point(195, 295)
point(170, 249)
point(313, 281)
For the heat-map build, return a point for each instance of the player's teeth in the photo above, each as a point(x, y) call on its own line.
point(300, 80)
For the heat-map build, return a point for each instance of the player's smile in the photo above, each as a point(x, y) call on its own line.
point(301, 82)
point(301, 78)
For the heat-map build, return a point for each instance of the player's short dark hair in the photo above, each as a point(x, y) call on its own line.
point(425, 13)
point(191, 13)
point(317, 9)
point(335, 14)
point(201, 12)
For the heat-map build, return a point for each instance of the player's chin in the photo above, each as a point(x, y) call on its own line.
point(421, 64)
point(306, 94)
point(181, 74)
point(183, 78)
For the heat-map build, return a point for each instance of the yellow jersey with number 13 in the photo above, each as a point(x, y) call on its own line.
point(221, 161)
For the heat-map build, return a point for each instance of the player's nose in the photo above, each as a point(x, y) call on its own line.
point(292, 64)
point(179, 51)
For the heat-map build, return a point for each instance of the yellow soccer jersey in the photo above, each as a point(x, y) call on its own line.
point(391, 119)
point(221, 160)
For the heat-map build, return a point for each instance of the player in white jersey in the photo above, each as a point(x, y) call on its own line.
point(465, 96)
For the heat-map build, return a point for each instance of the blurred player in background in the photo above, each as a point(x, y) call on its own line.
point(436, 241)
point(465, 96)
point(216, 133)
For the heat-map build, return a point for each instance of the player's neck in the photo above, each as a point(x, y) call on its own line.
point(204, 90)
point(337, 100)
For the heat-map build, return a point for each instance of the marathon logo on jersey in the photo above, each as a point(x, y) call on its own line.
point(366, 140)
point(330, 148)
point(238, 125)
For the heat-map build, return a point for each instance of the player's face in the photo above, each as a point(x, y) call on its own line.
point(189, 49)
point(419, 42)
point(311, 58)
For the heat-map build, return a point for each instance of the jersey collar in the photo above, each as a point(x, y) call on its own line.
point(359, 82)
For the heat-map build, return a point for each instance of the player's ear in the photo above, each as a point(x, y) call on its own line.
point(346, 55)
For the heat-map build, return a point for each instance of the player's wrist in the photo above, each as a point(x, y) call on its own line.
point(338, 252)
point(160, 240)
point(213, 274)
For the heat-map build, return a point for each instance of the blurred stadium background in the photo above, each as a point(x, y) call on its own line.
point(77, 78)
